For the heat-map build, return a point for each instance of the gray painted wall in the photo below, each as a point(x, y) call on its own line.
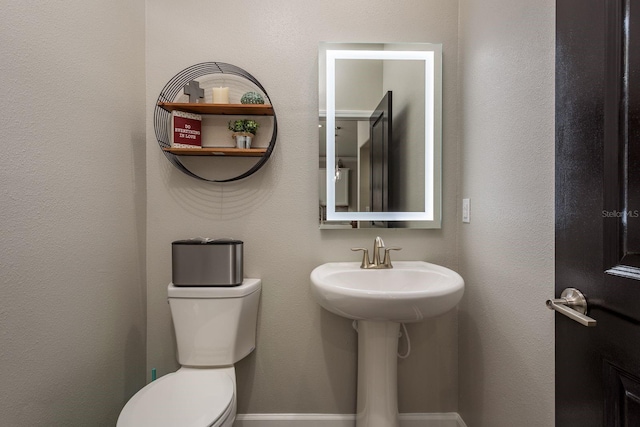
point(506, 252)
point(305, 359)
point(72, 301)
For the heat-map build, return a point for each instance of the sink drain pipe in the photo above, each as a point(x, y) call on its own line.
point(406, 334)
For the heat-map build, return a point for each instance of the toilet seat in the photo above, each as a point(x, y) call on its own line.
point(186, 398)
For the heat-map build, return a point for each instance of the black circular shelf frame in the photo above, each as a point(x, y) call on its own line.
point(162, 118)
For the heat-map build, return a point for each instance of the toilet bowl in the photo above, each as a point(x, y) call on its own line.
point(189, 397)
point(215, 327)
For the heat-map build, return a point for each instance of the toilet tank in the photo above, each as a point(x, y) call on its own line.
point(215, 326)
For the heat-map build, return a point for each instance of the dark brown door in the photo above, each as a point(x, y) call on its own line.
point(598, 210)
point(380, 125)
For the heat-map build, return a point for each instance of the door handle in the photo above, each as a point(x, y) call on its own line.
point(573, 304)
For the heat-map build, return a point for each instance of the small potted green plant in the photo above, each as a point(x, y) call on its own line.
point(243, 130)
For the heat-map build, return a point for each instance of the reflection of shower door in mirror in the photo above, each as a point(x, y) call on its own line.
point(380, 122)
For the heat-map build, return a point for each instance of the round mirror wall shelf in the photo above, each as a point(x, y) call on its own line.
point(211, 78)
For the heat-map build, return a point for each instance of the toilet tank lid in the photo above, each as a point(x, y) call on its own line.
point(187, 398)
point(247, 287)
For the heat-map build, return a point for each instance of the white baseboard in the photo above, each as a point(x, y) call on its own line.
point(450, 419)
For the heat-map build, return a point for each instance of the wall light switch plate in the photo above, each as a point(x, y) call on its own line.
point(465, 211)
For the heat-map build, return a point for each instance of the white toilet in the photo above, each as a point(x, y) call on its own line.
point(215, 327)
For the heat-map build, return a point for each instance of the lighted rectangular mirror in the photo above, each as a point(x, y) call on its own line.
point(380, 121)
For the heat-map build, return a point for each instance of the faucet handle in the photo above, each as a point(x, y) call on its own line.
point(387, 258)
point(365, 257)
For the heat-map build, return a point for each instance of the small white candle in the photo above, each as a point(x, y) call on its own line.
point(220, 95)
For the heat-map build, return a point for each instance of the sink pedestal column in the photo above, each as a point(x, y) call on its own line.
point(377, 374)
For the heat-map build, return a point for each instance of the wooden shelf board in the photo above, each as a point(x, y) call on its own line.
point(225, 109)
point(218, 151)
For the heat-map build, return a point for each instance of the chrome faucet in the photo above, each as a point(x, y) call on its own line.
point(378, 244)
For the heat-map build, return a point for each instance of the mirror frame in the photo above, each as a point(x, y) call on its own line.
point(431, 54)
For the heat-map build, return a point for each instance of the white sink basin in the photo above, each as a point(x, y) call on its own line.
point(409, 292)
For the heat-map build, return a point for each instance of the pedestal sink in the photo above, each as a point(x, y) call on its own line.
point(380, 300)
